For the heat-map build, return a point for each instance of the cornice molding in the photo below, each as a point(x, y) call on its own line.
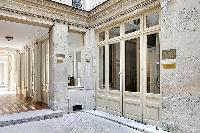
point(117, 10)
point(47, 10)
point(52, 12)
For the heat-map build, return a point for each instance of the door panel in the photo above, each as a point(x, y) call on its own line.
point(114, 93)
point(114, 102)
point(129, 79)
point(101, 93)
point(132, 103)
point(152, 98)
point(101, 100)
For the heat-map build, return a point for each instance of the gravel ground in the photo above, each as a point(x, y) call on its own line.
point(70, 123)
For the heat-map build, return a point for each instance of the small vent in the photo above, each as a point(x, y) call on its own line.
point(77, 107)
point(77, 4)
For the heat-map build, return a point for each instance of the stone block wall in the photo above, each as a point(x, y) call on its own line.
point(180, 30)
point(89, 61)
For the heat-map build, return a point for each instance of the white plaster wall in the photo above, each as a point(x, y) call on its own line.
point(180, 30)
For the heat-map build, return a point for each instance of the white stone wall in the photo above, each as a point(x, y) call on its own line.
point(89, 60)
point(82, 97)
point(180, 30)
point(58, 76)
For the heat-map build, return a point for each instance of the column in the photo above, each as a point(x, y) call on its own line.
point(2, 73)
point(58, 75)
point(18, 73)
point(9, 71)
point(37, 74)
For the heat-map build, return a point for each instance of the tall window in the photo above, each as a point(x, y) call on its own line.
point(75, 59)
point(153, 63)
point(102, 67)
point(114, 66)
point(132, 63)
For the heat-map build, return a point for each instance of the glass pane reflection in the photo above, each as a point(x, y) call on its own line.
point(114, 32)
point(114, 66)
point(132, 26)
point(102, 36)
point(152, 19)
point(102, 67)
point(132, 67)
point(153, 64)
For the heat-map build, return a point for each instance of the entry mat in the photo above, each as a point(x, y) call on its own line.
point(127, 122)
point(24, 117)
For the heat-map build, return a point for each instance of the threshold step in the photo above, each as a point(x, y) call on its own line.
point(127, 122)
point(24, 117)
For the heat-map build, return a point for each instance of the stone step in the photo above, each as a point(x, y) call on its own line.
point(127, 122)
point(24, 117)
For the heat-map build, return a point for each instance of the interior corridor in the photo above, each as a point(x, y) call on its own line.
point(23, 67)
point(10, 103)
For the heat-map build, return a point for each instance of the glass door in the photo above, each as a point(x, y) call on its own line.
point(114, 90)
point(152, 96)
point(132, 103)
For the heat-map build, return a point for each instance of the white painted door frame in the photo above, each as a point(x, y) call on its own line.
point(149, 103)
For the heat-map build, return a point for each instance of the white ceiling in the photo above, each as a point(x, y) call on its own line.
point(23, 34)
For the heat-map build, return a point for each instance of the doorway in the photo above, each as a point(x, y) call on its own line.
point(129, 69)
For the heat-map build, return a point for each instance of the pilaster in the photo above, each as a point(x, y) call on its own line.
point(58, 76)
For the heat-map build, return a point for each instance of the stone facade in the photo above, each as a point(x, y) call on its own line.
point(180, 24)
point(58, 75)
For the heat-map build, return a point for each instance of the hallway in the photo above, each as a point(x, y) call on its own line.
point(12, 103)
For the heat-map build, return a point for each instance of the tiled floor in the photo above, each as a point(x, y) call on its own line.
point(11, 103)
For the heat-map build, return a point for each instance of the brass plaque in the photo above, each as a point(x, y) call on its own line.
point(169, 66)
point(59, 61)
point(169, 54)
point(60, 55)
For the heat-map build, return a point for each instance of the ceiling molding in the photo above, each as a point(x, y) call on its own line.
point(47, 11)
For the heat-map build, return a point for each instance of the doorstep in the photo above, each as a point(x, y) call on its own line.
point(127, 122)
point(24, 117)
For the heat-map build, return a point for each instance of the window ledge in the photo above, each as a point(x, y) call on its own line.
point(75, 87)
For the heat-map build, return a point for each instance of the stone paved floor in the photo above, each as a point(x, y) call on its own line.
point(11, 103)
point(71, 123)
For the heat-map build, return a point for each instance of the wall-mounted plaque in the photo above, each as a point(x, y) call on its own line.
point(60, 58)
point(169, 54)
point(169, 66)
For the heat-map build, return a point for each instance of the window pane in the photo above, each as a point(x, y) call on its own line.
point(153, 64)
point(114, 32)
point(102, 36)
point(71, 70)
point(132, 65)
point(78, 69)
point(114, 66)
point(132, 26)
point(152, 19)
point(102, 67)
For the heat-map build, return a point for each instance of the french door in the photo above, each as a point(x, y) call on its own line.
point(129, 72)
